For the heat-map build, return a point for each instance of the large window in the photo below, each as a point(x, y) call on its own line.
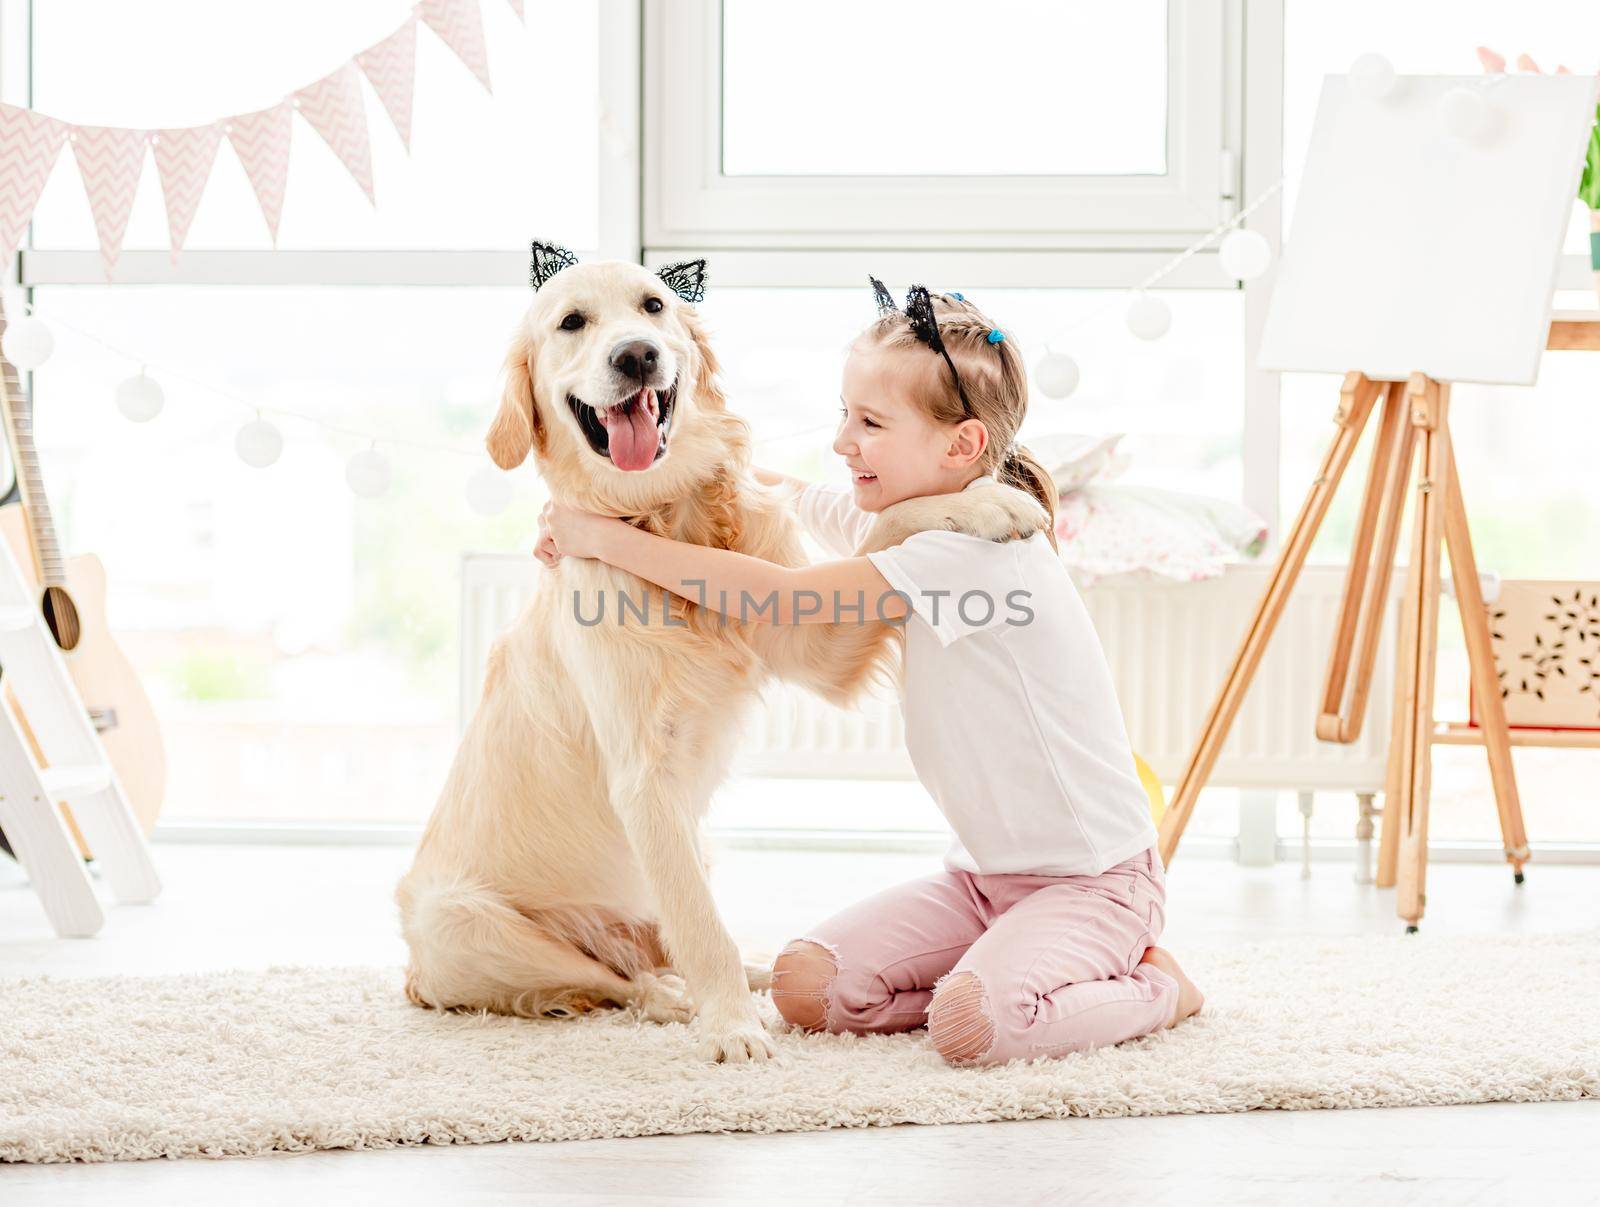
point(482, 169)
point(1180, 403)
point(938, 126)
point(299, 642)
point(935, 93)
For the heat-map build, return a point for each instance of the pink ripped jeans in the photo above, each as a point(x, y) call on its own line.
point(998, 967)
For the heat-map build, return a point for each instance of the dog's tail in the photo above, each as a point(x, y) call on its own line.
point(471, 949)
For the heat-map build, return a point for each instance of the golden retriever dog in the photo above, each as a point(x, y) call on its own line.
point(562, 869)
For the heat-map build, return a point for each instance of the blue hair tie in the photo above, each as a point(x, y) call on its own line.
point(997, 336)
point(960, 297)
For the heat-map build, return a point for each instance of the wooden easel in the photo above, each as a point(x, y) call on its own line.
point(1413, 427)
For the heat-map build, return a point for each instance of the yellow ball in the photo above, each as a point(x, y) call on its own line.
point(1152, 788)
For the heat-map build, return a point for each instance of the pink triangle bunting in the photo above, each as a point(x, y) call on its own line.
point(391, 68)
point(460, 24)
point(334, 107)
point(516, 7)
point(184, 158)
point(261, 141)
point(29, 145)
point(110, 160)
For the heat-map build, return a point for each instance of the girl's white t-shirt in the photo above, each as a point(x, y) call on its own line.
point(1011, 717)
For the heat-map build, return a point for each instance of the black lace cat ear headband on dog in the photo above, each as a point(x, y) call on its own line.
point(687, 278)
point(919, 314)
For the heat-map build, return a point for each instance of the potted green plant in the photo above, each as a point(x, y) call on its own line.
point(1589, 194)
point(1589, 187)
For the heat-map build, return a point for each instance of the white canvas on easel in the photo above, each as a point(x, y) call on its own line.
point(1413, 251)
point(1416, 259)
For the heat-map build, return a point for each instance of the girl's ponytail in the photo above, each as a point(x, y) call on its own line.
point(1022, 470)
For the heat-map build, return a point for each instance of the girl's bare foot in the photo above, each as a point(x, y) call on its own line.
point(1190, 999)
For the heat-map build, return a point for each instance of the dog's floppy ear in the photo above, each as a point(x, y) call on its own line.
point(708, 393)
point(545, 260)
point(516, 424)
point(687, 279)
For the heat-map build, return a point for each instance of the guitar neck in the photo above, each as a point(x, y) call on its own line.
point(18, 418)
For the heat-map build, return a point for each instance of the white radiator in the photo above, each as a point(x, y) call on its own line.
point(1169, 645)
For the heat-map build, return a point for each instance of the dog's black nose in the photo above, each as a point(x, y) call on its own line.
point(636, 359)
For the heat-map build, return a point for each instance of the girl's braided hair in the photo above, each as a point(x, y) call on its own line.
point(984, 379)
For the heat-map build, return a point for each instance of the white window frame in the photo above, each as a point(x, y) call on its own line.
point(1246, 41)
point(689, 202)
point(664, 198)
point(630, 162)
point(1251, 54)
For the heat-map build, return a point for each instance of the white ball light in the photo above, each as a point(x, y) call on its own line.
point(1464, 115)
point(367, 473)
point(1057, 375)
point(488, 491)
point(27, 343)
point(1372, 77)
point(258, 444)
point(140, 398)
point(1244, 255)
point(1148, 317)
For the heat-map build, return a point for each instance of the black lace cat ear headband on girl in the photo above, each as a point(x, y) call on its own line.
point(919, 314)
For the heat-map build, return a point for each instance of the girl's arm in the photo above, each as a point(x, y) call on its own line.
point(737, 585)
point(788, 486)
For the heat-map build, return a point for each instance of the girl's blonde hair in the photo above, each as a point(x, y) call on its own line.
point(995, 381)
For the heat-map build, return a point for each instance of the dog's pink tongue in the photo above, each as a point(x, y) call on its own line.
point(631, 430)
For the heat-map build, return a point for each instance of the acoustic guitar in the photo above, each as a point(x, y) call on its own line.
point(72, 597)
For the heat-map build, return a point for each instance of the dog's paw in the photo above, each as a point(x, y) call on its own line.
point(996, 513)
point(666, 1000)
point(736, 1044)
point(733, 1033)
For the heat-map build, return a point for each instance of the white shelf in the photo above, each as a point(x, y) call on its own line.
point(74, 781)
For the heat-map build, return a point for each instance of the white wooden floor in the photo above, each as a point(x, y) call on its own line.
point(254, 906)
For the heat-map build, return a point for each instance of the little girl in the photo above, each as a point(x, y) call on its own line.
point(1037, 938)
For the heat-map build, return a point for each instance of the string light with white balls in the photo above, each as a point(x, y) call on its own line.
point(140, 397)
point(367, 473)
point(1243, 255)
point(28, 343)
point(1465, 112)
point(258, 444)
point(1466, 115)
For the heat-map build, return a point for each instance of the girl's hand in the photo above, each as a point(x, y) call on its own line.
point(545, 547)
point(575, 533)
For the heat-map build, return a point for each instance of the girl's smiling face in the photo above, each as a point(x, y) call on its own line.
point(893, 449)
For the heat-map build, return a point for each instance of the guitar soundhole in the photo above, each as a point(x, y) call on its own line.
point(61, 614)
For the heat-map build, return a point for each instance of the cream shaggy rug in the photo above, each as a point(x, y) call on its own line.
point(306, 1058)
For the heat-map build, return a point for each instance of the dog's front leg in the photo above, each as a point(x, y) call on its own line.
point(652, 797)
point(660, 770)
